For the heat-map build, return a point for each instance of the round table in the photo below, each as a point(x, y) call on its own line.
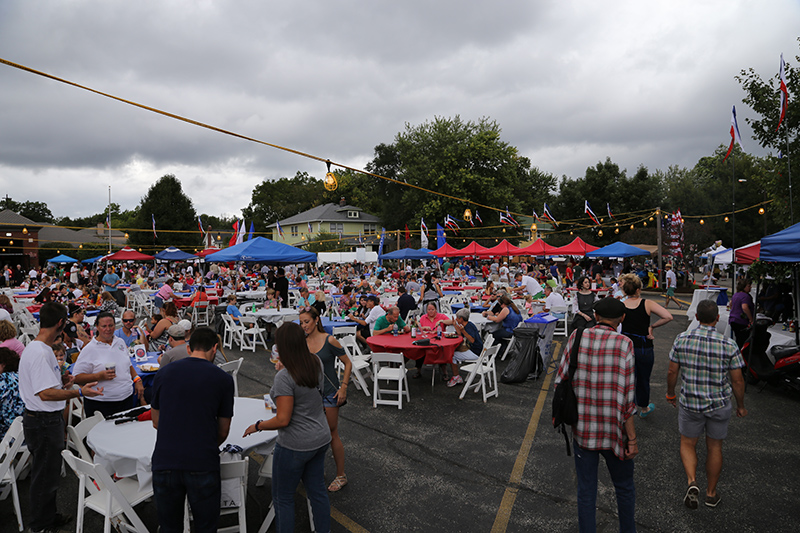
point(127, 449)
point(439, 351)
point(274, 316)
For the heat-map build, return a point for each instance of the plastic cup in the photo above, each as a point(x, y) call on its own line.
point(274, 357)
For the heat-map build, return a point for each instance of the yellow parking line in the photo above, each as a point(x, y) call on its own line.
point(510, 495)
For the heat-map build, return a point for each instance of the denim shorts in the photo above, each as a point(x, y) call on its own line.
point(330, 401)
point(715, 423)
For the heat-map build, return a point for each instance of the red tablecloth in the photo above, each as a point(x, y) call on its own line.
point(183, 302)
point(439, 351)
point(461, 288)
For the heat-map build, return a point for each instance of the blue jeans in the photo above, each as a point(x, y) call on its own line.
point(288, 468)
point(44, 435)
point(643, 367)
point(172, 487)
point(621, 472)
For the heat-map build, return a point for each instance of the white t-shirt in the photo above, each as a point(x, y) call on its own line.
point(4, 315)
point(374, 315)
point(503, 273)
point(73, 274)
point(93, 359)
point(554, 300)
point(38, 371)
point(672, 279)
point(532, 286)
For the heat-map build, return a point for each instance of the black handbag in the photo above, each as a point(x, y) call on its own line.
point(565, 403)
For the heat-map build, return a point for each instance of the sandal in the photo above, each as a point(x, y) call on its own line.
point(337, 484)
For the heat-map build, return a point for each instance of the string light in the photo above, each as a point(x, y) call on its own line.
point(330, 179)
point(727, 219)
point(467, 215)
point(702, 221)
point(760, 210)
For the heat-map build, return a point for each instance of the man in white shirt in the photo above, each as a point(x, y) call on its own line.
point(672, 284)
point(73, 273)
point(106, 360)
point(528, 285)
point(45, 391)
point(553, 299)
point(375, 312)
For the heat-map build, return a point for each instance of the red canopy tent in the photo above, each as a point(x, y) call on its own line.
point(128, 254)
point(576, 247)
point(207, 251)
point(473, 248)
point(747, 254)
point(447, 251)
point(504, 248)
point(538, 248)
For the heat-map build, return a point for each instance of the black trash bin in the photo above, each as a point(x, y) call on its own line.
point(526, 361)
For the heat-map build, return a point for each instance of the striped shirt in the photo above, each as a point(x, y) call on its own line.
point(706, 357)
point(604, 386)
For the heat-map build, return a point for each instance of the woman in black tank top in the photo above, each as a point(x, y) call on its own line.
point(637, 327)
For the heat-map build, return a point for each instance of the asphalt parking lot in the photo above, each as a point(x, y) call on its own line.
point(444, 464)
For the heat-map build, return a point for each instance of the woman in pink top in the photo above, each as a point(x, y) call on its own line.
point(428, 323)
point(8, 337)
point(163, 294)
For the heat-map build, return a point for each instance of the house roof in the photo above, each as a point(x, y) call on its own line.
point(9, 217)
point(329, 213)
point(75, 237)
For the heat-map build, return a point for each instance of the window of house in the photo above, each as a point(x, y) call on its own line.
point(294, 231)
point(370, 229)
point(337, 228)
point(352, 214)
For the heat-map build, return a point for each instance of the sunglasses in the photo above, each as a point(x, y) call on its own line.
point(129, 320)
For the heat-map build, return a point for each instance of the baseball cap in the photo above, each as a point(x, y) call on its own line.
point(185, 324)
point(609, 308)
point(176, 332)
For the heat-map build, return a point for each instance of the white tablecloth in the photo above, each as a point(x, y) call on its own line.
point(546, 323)
point(127, 449)
point(274, 315)
point(778, 337)
point(700, 295)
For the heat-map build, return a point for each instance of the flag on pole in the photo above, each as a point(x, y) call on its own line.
point(360, 237)
point(546, 214)
point(735, 137)
point(450, 222)
point(784, 93)
point(252, 230)
point(423, 234)
point(477, 217)
point(280, 229)
point(535, 215)
point(155, 235)
point(108, 219)
point(588, 210)
point(380, 246)
point(408, 234)
point(423, 228)
point(240, 235)
point(608, 206)
point(200, 225)
point(235, 227)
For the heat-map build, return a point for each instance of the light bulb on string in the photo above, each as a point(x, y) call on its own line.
point(616, 230)
point(330, 179)
point(727, 219)
point(760, 210)
point(702, 221)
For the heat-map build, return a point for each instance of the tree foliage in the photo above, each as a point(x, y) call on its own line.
point(323, 242)
point(174, 214)
point(278, 199)
point(36, 211)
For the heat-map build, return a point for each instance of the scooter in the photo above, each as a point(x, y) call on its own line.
point(779, 366)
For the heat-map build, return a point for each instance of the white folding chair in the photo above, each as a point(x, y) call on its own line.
point(76, 434)
point(385, 367)
point(485, 370)
point(561, 323)
point(361, 362)
point(252, 333)
point(9, 447)
point(232, 368)
point(341, 331)
point(200, 314)
point(413, 314)
point(233, 333)
point(113, 499)
point(230, 470)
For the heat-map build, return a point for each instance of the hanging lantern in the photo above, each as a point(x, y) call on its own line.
point(467, 215)
point(631, 226)
point(644, 223)
point(760, 210)
point(330, 179)
point(600, 233)
point(504, 230)
point(651, 219)
point(616, 230)
point(80, 246)
point(126, 235)
point(702, 221)
point(24, 231)
point(727, 219)
point(570, 233)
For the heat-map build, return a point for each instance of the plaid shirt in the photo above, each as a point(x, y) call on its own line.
point(706, 357)
point(604, 385)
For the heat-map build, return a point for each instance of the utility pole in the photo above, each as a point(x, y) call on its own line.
point(658, 233)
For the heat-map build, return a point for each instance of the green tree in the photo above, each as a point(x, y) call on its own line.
point(323, 242)
point(278, 199)
point(763, 96)
point(462, 159)
point(176, 220)
point(36, 211)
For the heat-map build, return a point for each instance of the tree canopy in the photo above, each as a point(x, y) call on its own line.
point(174, 215)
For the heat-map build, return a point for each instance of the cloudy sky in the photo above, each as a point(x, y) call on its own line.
point(570, 83)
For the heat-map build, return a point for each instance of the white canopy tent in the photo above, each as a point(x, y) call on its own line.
point(360, 255)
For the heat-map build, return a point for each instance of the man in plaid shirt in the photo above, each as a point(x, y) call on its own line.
point(711, 369)
point(604, 386)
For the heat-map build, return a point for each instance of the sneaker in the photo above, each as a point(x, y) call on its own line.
point(455, 380)
point(644, 412)
point(692, 497)
point(712, 501)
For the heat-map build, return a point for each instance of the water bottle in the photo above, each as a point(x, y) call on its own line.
point(394, 330)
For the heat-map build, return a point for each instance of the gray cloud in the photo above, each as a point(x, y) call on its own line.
point(570, 84)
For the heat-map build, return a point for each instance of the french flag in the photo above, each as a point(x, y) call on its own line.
point(588, 210)
point(548, 215)
point(477, 217)
point(784, 93)
point(280, 229)
point(735, 137)
point(155, 235)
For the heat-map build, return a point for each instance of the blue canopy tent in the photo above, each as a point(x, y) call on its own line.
point(263, 250)
point(408, 253)
point(174, 254)
point(62, 259)
point(92, 260)
point(784, 247)
point(618, 249)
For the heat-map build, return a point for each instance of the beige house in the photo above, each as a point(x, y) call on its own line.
point(349, 222)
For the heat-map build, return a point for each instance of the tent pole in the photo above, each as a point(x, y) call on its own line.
point(658, 233)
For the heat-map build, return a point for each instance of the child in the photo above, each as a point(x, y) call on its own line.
point(272, 300)
point(529, 304)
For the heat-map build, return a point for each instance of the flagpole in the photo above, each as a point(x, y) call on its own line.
point(733, 222)
point(109, 219)
point(658, 233)
point(789, 167)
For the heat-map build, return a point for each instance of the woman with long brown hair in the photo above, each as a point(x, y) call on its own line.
point(508, 318)
point(303, 433)
point(334, 394)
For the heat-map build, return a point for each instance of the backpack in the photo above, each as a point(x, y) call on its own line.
point(565, 403)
